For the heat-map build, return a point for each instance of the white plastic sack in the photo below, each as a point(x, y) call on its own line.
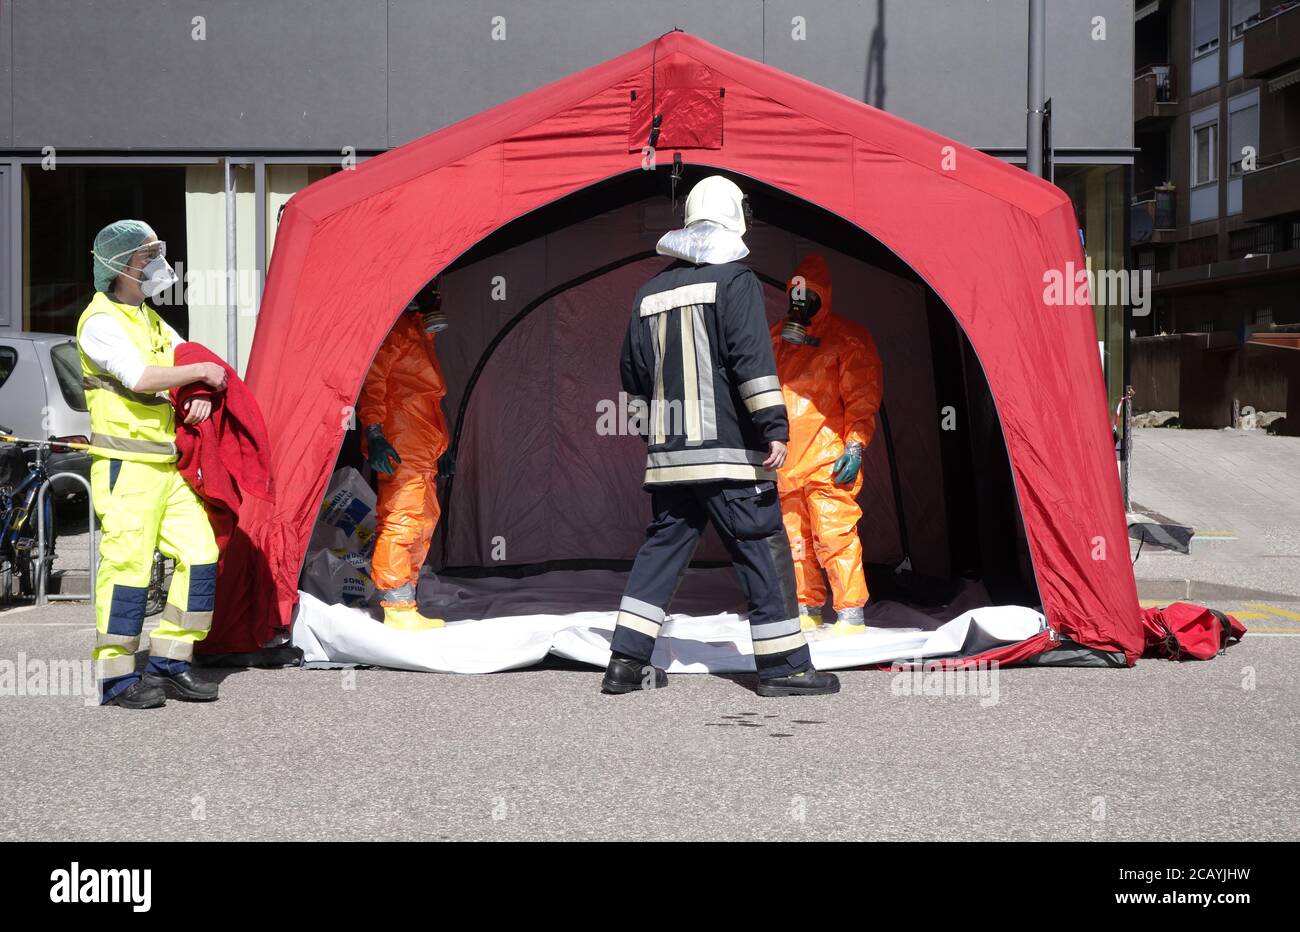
point(346, 522)
point(339, 577)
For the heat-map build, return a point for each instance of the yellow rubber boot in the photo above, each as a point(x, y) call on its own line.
point(408, 618)
point(850, 621)
point(840, 629)
point(810, 618)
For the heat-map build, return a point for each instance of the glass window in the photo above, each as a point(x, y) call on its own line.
point(1204, 147)
point(62, 212)
point(1101, 206)
point(1243, 13)
point(1243, 131)
point(67, 369)
point(8, 359)
point(1205, 26)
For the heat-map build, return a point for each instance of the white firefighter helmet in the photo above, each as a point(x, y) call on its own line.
point(718, 199)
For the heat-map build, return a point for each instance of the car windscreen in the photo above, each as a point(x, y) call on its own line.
point(67, 369)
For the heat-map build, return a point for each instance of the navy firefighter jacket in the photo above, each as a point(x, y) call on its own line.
point(701, 381)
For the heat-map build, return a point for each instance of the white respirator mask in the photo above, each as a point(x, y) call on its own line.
point(157, 275)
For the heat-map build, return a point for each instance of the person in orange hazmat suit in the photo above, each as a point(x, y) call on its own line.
point(833, 382)
point(405, 434)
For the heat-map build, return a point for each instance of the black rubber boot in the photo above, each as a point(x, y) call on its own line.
point(185, 686)
point(626, 675)
point(807, 683)
point(139, 695)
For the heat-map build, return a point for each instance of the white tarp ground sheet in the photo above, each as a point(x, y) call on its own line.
point(504, 624)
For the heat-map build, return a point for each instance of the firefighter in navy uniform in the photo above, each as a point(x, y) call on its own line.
point(698, 370)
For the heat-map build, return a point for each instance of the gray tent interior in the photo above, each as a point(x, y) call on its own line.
point(546, 475)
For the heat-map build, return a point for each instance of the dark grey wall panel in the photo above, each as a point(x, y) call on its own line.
point(285, 74)
point(444, 64)
point(1090, 80)
point(6, 74)
point(959, 66)
point(317, 75)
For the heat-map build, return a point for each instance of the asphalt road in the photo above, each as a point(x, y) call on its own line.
point(1162, 751)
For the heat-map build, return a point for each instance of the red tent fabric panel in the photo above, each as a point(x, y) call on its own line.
point(353, 248)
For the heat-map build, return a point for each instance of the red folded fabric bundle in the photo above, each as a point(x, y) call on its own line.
point(224, 457)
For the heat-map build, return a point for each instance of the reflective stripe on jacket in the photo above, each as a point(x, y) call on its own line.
point(126, 424)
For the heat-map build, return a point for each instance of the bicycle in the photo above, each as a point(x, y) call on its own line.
point(19, 533)
point(18, 526)
point(159, 582)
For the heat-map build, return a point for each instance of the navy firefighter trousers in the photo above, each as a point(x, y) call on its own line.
point(748, 519)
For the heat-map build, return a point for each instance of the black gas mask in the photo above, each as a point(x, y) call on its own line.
point(428, 304)
point(804, 305)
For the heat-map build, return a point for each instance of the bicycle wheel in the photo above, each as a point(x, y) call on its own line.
point(159, 581)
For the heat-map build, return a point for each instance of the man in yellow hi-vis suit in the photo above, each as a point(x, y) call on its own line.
point(141, 498)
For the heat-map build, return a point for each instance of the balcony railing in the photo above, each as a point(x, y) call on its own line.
point(1273, 189)
point(1264, 239)
point(1154, 93)
point(1160, 205)
point(1271, 40)
point(1202, 251)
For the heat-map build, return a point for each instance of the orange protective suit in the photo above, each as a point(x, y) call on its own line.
point(832, 391)
point(403, 393)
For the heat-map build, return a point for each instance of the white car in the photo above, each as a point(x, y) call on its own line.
point(41, 398)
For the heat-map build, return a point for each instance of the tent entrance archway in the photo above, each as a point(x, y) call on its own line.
point(353, 248)
point(538, 310)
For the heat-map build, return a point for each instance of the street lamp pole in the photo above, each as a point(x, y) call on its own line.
point(1034, 108)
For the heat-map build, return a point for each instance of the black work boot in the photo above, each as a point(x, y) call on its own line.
point(184, 685)
point(627, 675)
point(806, 683)
point(139, 695)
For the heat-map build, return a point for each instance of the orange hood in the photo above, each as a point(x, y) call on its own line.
point(816, 275)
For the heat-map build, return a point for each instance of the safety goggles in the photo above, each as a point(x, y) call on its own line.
point(151, 251)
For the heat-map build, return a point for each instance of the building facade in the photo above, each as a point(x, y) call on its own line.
point(1217, 176)
point(205, 119)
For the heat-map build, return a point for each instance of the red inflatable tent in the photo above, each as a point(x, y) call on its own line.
point(977, 235)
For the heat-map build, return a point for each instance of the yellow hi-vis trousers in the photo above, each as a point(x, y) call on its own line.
point(143, 506)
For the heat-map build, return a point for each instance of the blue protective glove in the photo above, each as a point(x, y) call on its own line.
point(846, 467)
point(381, 451)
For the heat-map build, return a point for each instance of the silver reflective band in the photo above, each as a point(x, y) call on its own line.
point(774, 629)
point(189, 621)
point(780, 645)
point(403, 593)
point(130, 641)
point(170, 648)
point(109, 667)
point(110, 384)
point(644, 609)
point(700, 293)
point(661, 345)
point(704, 366)
point(636, 623)
point(130, 445)
point(707, 473)
point(690, 375)
point(699, 457)
point(767, 383)
point(764, 400)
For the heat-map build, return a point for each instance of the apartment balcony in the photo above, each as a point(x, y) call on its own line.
point(1271, 44)
point(1154, 96)
point(1273, 189)
point(1161, 211)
